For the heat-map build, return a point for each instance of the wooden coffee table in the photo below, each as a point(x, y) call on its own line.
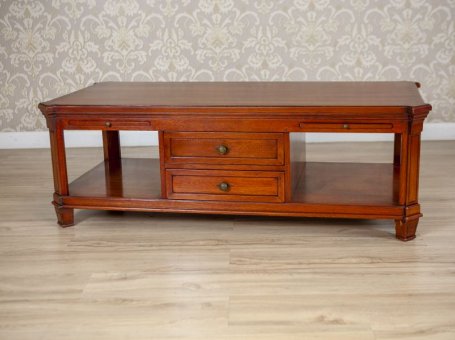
point(238, 148)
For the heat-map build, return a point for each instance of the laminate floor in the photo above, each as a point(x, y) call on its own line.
point(163, 276)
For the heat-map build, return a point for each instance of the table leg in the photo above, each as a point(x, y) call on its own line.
point(409, 159)
point(397, 149)
point(405, 229)
point(113, 163)
point(65, 216)
point(111, 146)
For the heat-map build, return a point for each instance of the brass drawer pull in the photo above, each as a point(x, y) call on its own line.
point(222, 149)
point(223, 186)
point(108, 124)
point(345, 126)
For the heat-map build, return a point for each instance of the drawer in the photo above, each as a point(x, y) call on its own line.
point(221, 185)
point(107, 124)
point(346, 127)
point(224, 148)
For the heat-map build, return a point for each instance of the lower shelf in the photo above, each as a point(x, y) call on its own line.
point(130, 178)
point(347, 183)
point(328, 189)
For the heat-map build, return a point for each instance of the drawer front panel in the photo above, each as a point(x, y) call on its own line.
point(346, 127)
point(224, 148)
point(219, 185)
point(107, 124)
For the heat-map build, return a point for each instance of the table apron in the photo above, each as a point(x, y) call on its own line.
point(299, 124)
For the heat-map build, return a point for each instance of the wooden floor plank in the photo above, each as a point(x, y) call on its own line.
point(171, 276)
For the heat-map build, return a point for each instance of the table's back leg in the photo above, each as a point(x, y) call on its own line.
point(111, 146)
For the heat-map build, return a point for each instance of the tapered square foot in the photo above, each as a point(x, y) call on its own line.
point(405, 230)
point(65, 216)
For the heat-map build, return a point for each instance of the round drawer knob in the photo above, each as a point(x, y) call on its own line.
point(345, 126)
point(108, 124)
point(222, 149)
point(224, 186)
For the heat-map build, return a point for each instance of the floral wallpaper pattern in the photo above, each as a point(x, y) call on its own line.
point(49, 48)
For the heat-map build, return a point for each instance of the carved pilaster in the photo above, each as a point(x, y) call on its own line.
point(65, 216)
point(409, 159)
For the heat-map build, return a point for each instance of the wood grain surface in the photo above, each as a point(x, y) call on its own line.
point(165, 276)
point(204, 94)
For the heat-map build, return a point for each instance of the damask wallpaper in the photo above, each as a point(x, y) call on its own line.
point(49, 48)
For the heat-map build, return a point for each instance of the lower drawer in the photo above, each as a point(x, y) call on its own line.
point(221, 185)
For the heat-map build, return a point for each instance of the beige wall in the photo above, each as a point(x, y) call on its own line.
point(49, 48)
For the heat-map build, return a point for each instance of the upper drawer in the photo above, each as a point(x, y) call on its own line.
point(224, 148)
point(108, 124)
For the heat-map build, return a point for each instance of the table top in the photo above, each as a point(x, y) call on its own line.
point(244, 94)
